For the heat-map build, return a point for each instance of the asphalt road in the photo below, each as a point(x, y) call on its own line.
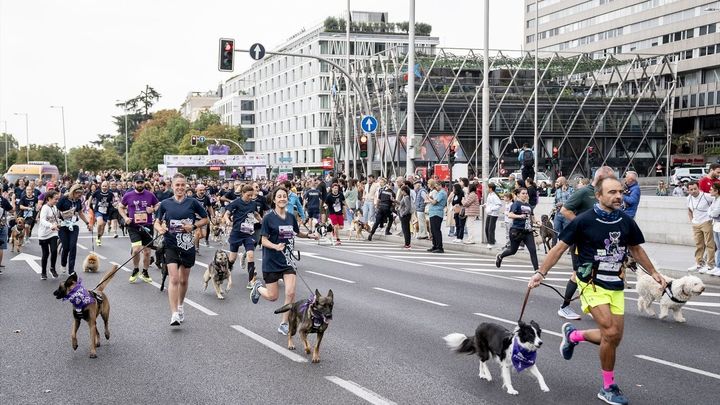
point(384, 345)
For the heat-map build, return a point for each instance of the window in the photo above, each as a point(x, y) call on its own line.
point(324, 101)
point(247, 105)
point(711, 98)
point(693, 101)
point(701, 100)
point(324, 137)
point(684, 102)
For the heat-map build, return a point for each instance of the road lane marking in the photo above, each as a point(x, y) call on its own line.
point(30, 260)
point(679, 366)
point(271, 345)
point(187, 300)
point(492, 265)
point(685, 307)
point(332, 277)
point(360, 391)
point(315, 256)
point(440, 304)
point(549, 332)
point(96, 253)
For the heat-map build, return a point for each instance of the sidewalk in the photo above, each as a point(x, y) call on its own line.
point(671, 260)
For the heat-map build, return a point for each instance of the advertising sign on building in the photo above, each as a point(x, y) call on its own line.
point(328, 163)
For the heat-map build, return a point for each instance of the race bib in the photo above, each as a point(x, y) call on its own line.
point(247, 228)
point(609, 266)
point(337, 206)
point(286, 232)
point(102, 209)
point(140, 217)
point(176, 226)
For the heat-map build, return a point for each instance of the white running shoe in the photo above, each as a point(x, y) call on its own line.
point(568, 313)
point(181, 314)
point(457, 241)
point(175, 319)
point(694, 267)
point(703, 270)
point(714, 272)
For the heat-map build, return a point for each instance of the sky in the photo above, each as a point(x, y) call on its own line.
point(84, 54)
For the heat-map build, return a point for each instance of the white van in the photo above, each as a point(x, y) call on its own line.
point(682, 174)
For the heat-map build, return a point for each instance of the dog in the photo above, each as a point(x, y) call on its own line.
point(511, 349)
point(160, 261)
point(547, 233)
point(17, 235)
point(678, 292)
point(324, 231)
point(87, 305)
point(218, 271)
point(309, 316)
point(217, 230)
point(356, 227)
point(91, 264)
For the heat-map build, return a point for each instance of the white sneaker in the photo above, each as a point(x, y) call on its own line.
point(468, 242)
point(694, 267)
point(703, 270)
point(175, 319)
point(457, 241)
point(181, 314)
point(63, 270)
point(568, 313)
point(714, 272)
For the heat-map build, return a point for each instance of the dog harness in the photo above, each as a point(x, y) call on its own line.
point(668, 291)
point(80, 297)
point(318, 319)
point(522, 358)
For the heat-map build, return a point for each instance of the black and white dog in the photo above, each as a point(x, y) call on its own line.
point(511, 349)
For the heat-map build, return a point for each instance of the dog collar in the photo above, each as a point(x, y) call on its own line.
point(668, 291)
point(79, 296)
point(522, 358)
point(317, 320)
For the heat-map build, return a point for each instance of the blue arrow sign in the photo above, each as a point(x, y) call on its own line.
point(369, 123)
point(201, 139)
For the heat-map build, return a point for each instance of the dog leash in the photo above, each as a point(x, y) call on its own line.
point(298, 271)
point(525, 301)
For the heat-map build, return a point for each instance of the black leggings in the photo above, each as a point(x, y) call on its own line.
point(516, 239)
point(68, 240)
point(435, 225)
point(459, 226)
point(405, 223)
point(49, 249)
point(383, 214)
point(490, 222)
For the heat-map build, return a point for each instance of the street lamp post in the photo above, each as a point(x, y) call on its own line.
point(62, 112)
point(410, 154)
point(485, 112)
point(535, 121)
point(27, 136)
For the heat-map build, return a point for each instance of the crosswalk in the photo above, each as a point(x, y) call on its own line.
point(517, 267)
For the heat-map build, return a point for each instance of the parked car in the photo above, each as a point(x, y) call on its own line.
point(682, 174)
point(539, 177)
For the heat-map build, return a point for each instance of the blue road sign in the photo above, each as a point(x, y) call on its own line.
point(257, 51)
point(369, 123)
point(201, 139)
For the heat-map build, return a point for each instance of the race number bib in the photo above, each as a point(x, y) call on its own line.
point(286, 232)
point(176, 226)
point(247, 228)
point(102, 209)
point(140, 217)
point(337, 206)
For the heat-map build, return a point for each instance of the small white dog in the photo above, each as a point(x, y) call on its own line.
point(681, 290)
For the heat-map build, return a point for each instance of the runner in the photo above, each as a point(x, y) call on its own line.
point(335, 203)
point(101, 203)
point(204, 200)
point(70, 209)
point(603, 237)
point(136, 209)
point(244, 217)
point(28, 204)
point(177, 218)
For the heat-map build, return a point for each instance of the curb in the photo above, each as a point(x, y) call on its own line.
point(477, 248)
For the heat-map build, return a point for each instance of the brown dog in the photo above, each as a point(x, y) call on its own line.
point(91, 263)
point(309, 316)
point(17, 235)
point(87, 305)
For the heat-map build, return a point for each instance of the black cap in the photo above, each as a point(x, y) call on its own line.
point(139, 178)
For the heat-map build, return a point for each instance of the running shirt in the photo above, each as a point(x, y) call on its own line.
point(137, 204)
point(312, 200)
point(103, 202)
point(602, 245)
point(335, 203)
point(521, 208)
point(175, 214)
point(68, 210)
point(204, 201)
point(279, 230)
point(243, 217)
point(30, 202)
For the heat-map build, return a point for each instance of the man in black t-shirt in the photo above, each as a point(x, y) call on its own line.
point(204, 200)
point(101, 203)
point(604, 236)
point(244, 217)
point(28, 210)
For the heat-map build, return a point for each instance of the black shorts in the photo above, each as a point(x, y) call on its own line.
point(30, 221)
point(275, 276)
point(185, 258)
point(139, 237)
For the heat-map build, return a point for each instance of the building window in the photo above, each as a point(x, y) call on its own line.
point(247, 119)
point(693, 101)
point(324, 137)
point(711, 98)
point(324, 101)
point(701, 100)
point(684, 102)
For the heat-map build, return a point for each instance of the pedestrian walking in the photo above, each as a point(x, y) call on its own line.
point(436, 212)
point(508, 200)
point(177, 220)
point(714, 213)
point(526, 156)
point(455, 210)
point(532, 192)
point(48, 225)
point(631, 199)
point(471, 207)
point(369, 195)
point(6, 206)
point(351, 200)
point(278, 241)
point(492, 210)
point(603, 237)
point(420, 197)
point(698, 204)
point(521, 230)
point(405, 210)
point(384, 202)
point(71, 212)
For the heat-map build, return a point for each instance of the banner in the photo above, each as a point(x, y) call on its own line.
point(214, 149)
point(215, 160)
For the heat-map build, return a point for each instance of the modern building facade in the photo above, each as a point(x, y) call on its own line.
point(687, 31)
point(290, 96)
point(197, 102)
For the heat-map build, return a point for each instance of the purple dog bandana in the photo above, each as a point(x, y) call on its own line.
point(79, 296)
point(521, 357)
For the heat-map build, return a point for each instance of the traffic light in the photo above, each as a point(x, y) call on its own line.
point(451, 154)
point(363, 146)
point(590, 149)
point(556, 152)
point(193, 140)
point(227, 55)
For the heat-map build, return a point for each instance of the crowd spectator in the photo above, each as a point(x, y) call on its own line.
point(698, 204)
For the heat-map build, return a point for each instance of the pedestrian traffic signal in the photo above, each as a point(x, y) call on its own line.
point(451, 154)
point(363, 146)
point(193, 140)
point(555, 152)
point(590, 149)
point(227, 55)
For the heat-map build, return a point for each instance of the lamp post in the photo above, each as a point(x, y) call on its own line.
point(347, 93)
point(62, 112)
point(485, 113)
point(124, 104)
point(27, 137)
point(535, 121)
point(410, 155)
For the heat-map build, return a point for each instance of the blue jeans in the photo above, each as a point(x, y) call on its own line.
point(716, 236)
point(368, 211)
point(559, 223)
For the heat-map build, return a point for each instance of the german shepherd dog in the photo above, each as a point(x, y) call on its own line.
point(17, 235)
point(87, 305)
point(309, 316)
point(218, 271)
point(547, 232)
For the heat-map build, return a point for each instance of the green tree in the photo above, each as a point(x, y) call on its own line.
point(150, 145)
point(12, 145)
point(206, 119)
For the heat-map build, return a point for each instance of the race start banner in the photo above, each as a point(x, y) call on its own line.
point(215, 160)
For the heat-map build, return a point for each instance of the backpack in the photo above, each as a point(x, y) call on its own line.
point(528, 158)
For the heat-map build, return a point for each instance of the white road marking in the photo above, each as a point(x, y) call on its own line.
point(30, 260)
point(411, 297)
point(549, 332)
point(332, 277)
point(514, 265)
point(685, 308)
point(96, 253)
point(316, 256)
point(360, 391)
point(679, 366)
point(271, 345)
point(81, 246)
point(187, 300)
point(201, 264)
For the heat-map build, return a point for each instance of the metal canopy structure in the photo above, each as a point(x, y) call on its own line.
point(613, 111)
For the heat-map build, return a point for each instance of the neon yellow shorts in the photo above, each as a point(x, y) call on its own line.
point(591, 298)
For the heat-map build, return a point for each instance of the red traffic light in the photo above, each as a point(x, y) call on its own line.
point(590, 149)
point(226, 61)
point(228, 46)
point(363, 139)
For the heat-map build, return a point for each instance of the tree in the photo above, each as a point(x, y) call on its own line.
point(205, 119)
point(93, 159)
point(150, 145)
point(12, 144)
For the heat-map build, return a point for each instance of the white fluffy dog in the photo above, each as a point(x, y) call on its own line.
point(681, 291)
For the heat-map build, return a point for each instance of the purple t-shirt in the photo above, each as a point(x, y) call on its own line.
point(137, 204)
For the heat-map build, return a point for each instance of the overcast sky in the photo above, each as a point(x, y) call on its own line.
point(85, 54)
